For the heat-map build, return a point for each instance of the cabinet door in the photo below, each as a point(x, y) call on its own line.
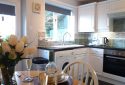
point(80, 54)
point(105, 11)
point(96, 63)
point(102, 17)
point(86, 17)
point(116, 6)
point(63, 54)
point(96, 59)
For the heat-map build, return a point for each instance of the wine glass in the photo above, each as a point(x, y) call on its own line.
point(28, 66)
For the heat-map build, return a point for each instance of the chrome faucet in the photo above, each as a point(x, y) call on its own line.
point(64, 37)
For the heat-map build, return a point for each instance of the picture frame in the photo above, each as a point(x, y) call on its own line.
point(36, 7)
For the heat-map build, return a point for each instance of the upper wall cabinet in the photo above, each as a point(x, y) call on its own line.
point(102, 17)
point(105, 10)
point(116, 6)
point(86, 18)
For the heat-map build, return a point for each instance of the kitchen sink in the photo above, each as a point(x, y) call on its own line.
point(66, 46)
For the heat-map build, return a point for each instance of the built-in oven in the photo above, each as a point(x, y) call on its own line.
point(114, 64)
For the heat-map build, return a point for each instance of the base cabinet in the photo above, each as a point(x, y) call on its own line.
point(96, 59)
point(80, 54)
point(62, 58)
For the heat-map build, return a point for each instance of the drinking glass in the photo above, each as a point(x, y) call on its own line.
point(28, 66)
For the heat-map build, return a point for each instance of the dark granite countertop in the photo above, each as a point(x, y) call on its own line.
point(107, 47)
point(81, 46)
point(56, 48)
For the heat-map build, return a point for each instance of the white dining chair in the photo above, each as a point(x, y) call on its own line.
point(82, 73)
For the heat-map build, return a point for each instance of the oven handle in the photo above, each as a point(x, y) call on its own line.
point(115, 57)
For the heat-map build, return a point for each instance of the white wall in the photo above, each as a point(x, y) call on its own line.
point(34, 21)
point(32, 24)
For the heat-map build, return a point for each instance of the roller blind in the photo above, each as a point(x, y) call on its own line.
point(7, 9)
point(57, 9)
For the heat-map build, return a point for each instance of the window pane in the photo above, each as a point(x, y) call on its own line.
point(62, 21)
point(56, 25)
point(49, 24)
point(7, 25)
point(62, 24)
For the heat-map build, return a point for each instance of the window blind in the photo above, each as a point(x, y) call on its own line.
point(7, 9)
point(57, 9)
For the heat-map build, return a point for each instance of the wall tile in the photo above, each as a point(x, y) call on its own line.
point(115, 38)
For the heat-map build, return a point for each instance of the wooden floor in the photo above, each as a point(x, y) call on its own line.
point(104, 83)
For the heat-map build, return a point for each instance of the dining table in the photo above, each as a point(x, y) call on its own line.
point(39, 78)
point(21, 75)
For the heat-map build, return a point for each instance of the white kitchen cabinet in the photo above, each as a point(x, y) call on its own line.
point(106, 10)
point(86, 17)
point(116, 6)
point(96, 59)
point(80, 54)
point(68, 56)
point(102, 17)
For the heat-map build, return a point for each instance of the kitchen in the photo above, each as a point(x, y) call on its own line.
point(100, 15)
point(100, 20)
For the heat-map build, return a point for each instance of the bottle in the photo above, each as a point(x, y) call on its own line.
point(51, 69)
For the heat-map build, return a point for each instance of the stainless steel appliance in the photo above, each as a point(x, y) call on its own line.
point(114, 64)
point(103, 41)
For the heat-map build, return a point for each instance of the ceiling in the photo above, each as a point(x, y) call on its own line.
point(88, 1)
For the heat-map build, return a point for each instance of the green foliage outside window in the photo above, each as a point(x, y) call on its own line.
point(48, 22)
point(62, 24)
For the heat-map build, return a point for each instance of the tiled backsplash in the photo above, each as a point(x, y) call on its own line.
point(82, 38)
point(115, 38)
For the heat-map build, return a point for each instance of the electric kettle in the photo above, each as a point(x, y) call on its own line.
point(103, 41)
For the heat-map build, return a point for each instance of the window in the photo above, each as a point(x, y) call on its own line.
point(7, 20)
point(7, 25)
point(57, 23)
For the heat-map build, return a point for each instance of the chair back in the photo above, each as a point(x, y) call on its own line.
point(82, 73)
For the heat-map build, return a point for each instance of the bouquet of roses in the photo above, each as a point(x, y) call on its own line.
point(12, 50)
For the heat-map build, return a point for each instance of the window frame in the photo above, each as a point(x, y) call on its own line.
point(15, 3)
point(55, 27)
point(73, 15)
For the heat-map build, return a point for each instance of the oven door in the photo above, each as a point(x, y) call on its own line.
point(114, 65)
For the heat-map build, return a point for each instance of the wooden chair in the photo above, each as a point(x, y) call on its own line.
point(82, 73)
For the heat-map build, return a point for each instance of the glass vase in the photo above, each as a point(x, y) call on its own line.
point(7, 74)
